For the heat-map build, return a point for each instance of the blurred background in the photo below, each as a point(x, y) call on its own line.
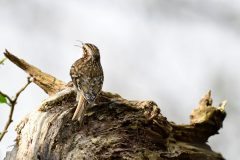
point(169, 51)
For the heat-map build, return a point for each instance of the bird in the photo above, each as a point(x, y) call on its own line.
point(87, 77)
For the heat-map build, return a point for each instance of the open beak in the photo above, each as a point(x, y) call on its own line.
point(81, 45)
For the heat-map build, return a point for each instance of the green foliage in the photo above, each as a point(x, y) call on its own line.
point(3, 99)
point(2, 60)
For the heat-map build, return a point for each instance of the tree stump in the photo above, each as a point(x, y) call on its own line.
point(114, 128)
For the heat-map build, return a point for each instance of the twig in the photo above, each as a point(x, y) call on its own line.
point(12, 103)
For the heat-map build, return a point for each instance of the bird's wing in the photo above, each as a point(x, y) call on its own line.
point(91, 88)
point(89, 81)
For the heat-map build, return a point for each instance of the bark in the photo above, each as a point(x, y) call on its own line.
point(47, 82)
point(114, 128)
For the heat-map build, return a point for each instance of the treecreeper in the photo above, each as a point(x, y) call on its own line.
point(87, 77)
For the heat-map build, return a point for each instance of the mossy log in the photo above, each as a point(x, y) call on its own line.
point(114, 128)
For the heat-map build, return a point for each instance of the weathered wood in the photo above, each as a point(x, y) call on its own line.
point(114, 128)
point(47, 82)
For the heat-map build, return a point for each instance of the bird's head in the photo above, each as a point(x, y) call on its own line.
point(91, 50)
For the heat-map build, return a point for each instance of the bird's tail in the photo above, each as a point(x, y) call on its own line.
point(81, 109)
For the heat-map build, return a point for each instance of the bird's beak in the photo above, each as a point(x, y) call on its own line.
point(81, 45)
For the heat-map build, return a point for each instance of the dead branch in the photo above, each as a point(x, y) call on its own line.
point(47, 82)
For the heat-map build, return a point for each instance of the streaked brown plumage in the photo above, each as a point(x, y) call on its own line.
point(87, 77)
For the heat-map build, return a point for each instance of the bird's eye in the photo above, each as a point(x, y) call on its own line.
point(84, 49)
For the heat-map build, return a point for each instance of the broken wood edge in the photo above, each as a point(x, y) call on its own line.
point(205, 121)
point(47, 82)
